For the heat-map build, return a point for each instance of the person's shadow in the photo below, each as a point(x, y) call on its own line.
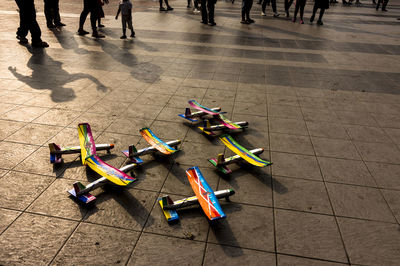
point(47, 74)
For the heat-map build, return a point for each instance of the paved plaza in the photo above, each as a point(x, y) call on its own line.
point(323, 101)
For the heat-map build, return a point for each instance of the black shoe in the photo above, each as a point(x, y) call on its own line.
point(250, 20)
point(188, 6)
point(22, 40)
point(319, 22)
point(244, 22)
point(123, 37)
point(312, 19)
point(385, 10)
point(169, 8)
point(101, 26)
point(60, 24)
point(51, 26)
point(40, 44)
point(98, 35)
point(82, 32)
point(212, 23)
point(162, 9)
point(133, 34)
point(204, 22)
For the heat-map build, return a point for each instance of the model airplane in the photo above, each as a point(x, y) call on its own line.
point(156, 145)
point(205, 196)
point(242, 154)
point(202, 111)
point(224, 125)
point(57, 151)
point(89, 157)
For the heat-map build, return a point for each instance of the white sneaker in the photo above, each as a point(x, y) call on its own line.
point(196, 11)
point(276, 15)
point(263, 14)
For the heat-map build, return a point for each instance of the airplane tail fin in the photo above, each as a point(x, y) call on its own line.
point(188, 112)
point(220, 159)
point(54, 158)
point(170, 214)
point(78, 187)
point(88, 147)
point(132, 151)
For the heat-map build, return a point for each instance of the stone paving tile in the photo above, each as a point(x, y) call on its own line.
point(9, 127)
point(257, 234)
point(335, 148)
point(392, 197)
point(20, 189)
point(14, 153)
point(285, 260)
point(223, 255)
point(378, 152)
point(129, 126)
point(34, 134)
point(291, 144)
point(345, 171)
point(327, 130)
point(123, 208)
point(56, 201)
point(142, 111)
point(367, 134)
point(387, 120)
point(287, 126)
point(394, 134)
point(256, 122)
point(295, 165)
point(7, 217)
point(319, 115)
point(385, 175)
point(57, 117)
point(24, 113)
point(302, 195)
point(195, 154)
point(284, 111)
point(359, 202)
point(96, 244)
point(309, 235)
point(149, 247)
point(356, 118)
point(43, 237)
point(369, 242)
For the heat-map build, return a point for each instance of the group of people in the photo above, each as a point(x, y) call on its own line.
point(28, 22)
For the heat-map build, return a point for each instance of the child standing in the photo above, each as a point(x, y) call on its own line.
point(125, 8)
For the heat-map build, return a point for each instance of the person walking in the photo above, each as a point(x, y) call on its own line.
point(322, 5)
point(207, 12)
point(384, 4)
point(300, 4)
point(28, 23)
point(52, 14)
point(288, 4)
point(169, 8)
point(92, 7)
point(125, 8)
point(264, 6)
point(246, 8)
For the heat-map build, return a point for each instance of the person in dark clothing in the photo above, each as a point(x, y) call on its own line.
point(288, 4)
point(246, 7)
point(300, 4)
point(101, 13)
point(92, 7)
point(384, 4)
point(28, 23)
point(264, 5)
point(52, 14)
point(322, 5)
point(169, 8)
point(207, 12)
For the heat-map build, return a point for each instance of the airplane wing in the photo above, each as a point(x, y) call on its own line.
point(111, 173)
point(200, 107)
point(89, 157)
point(154, 141)
point(205, 195)
point(86, 141)
point(242, 152)
point(226, 122)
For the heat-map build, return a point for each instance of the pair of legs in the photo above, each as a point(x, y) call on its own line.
point(207, 12)
point(52, 13)
point(288, 4)
point(195, 4)
point(127, 20)
point(299, 5)
point(168, 6)
point(246, 7)
point(89, 6)
point(384, 4)
point(28, 23)
point(264, 6)
point(321, 13)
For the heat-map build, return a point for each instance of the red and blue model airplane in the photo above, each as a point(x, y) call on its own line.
point(205, 196)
